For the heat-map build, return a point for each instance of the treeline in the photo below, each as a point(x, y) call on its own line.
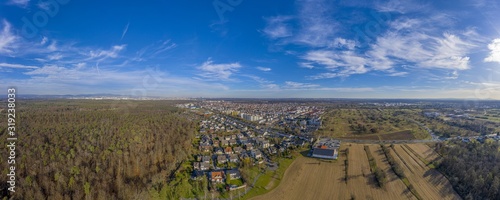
point(472, 168)
point(380, 176)
point(398, 170)
point(75, 149)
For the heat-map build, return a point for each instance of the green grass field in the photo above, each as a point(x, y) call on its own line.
point(261, 185)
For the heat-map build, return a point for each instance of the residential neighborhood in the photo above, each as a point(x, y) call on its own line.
point(225, 141)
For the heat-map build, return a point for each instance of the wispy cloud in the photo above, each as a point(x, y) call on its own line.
point(307, 65)
point(263, 83)
point(7, 39)
point(154, 50)
point(312, 26)
point(401, 45)
point(20, 3)
point(17, 66)
point(222, 72)
point(101, 55)
point(343, 43)
point(125, 31)
point(297, 85)
point(277, 27)
point(264, 69)
point(402, 7)
point(316, 25)
point(494, 48)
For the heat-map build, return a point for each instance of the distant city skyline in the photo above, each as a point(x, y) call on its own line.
point(252, 49)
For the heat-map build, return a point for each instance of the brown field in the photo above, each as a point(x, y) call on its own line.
point(424, 151)
point(429, 183)
point(309, 178)
point(307, 175)
point(400, 135)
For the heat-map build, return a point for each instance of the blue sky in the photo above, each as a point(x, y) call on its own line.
point(242, 48)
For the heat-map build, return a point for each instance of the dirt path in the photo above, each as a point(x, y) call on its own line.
point(429, 183)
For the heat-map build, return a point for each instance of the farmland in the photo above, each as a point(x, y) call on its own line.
point(399, 135)
point(309, 178)
point(372, 124)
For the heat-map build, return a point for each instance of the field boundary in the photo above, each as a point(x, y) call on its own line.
point(427, 163)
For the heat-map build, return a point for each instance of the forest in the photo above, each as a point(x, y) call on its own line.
point(472, 168)
point(88, 149)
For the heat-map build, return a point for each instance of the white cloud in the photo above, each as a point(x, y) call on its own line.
point(21, 3)
point(400, 6)
point(398, 74)
point(153, 50)
point(264, 69)
point(125, 31)
point(7, 39)
point(263, 83)
point(44, 40)
point(297, 85)
point(316, 26)
point(393, 49)
point(56, 56)
point(306, 65)
point(342, 64)
point(312, 26)
point(277, 27)
point(17, 66)
point(494, 48)
point(103, 54)
point(344, 43)
point(212, 71)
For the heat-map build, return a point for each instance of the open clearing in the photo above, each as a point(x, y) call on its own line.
point(309, 178)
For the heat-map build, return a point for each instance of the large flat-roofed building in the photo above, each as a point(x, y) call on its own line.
point(326, 149)
point(324, 153)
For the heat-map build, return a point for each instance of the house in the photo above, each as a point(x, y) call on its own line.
point(205, 148)
point(249, 146)
point(237, 150)
point(218, 150)
point(243, 141)
point(224, 143)
point(228, 150)
point(202, 166)
point(326, 153)
point(300, 143)
point(256, 154)
point(233, 174)
point(216, 143)
point(205, 159)
point(232, 142)
point(272, 150)
point(233, 158)
point(265, 144)
point(221, 159)
point(196, 165)
point(217, 176)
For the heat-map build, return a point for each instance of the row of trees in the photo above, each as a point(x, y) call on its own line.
point(98, 149)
